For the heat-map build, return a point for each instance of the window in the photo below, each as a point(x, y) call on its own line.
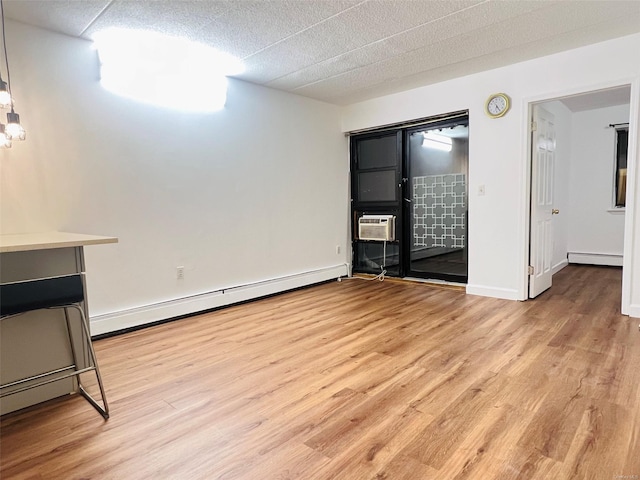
point(620, 186)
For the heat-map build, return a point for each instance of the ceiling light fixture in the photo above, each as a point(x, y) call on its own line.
point(5, 140)
point(437, 141)
point(5, 98)
point(13, 129)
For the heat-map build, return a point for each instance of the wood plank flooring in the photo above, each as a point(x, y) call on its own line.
point(359, 380)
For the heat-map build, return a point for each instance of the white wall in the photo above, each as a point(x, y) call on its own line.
point(227, 195)
point(595, 230)
point(561, 185)
point(498, 153)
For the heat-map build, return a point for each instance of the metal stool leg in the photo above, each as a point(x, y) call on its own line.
point(94, 363)
point(70, 337)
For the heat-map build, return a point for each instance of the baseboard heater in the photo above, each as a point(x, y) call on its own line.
point(608, 259)
point(108, 323)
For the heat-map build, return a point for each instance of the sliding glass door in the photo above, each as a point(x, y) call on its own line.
point(437, 162)
point(418, 177)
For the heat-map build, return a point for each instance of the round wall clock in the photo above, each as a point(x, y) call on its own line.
point(497, 105)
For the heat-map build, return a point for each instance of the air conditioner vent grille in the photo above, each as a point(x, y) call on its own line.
point(380, 228)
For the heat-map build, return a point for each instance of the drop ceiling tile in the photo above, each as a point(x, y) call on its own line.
point(452, 50)
point(341, 50)
point(237, 27)
point(564, 17)
point(184, 18)
point(372, 53)
point(64, 16)
point(469, 51)
point(542, 27)
point(496, 15)
point(282, 61)
point(352, 29)
point(253, 26)
point(469, 19)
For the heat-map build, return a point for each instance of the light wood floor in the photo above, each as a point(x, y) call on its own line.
point(359, 380)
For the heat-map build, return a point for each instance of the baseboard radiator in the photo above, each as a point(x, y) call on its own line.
point(609, 259)
point(149, 314)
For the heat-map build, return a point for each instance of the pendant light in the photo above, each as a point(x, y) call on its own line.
point(5, 140)
point(5, 98)
point(13, 130)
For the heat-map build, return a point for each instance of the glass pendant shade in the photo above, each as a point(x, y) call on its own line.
point(5, 98)
point(5, 141)
point(14, 130)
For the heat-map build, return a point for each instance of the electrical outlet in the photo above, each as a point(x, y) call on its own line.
point(337, 249)
point(180, 273)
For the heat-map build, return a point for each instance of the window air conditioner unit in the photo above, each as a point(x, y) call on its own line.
point(377, 227)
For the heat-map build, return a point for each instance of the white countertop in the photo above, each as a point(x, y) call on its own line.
point(22, 242)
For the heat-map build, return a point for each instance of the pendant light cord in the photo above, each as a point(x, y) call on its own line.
point(4, 44)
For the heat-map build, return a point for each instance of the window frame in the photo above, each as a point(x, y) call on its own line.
point(615, 204)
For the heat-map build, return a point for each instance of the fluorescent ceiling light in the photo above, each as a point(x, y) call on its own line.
point(164, 70)
point(437, 141)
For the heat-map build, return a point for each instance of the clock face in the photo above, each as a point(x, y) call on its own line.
point(497, 105)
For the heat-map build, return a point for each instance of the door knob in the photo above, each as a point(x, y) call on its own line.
point(555, 211)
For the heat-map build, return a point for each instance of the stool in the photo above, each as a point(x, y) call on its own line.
point(63, 292)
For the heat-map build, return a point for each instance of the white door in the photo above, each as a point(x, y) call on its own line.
point(543, 145)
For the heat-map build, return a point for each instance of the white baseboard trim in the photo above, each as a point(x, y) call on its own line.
point(559, 266)
point(494, 292)
point(610, 259)
point(135, 317)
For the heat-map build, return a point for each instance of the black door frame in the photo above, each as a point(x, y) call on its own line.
point(359, 207)
point(401, 207)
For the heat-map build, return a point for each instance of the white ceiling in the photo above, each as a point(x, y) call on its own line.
point(344, 51)
point(598, 99)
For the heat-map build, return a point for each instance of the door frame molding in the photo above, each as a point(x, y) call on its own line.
point(632, 222)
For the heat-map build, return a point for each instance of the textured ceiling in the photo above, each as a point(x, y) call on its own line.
point(344, 51)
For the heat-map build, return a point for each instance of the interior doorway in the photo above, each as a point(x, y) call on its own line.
point(575, 213)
